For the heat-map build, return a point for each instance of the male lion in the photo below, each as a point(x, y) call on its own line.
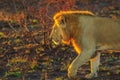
point(87, 33)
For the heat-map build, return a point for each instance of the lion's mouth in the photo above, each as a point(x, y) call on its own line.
point(55, 42)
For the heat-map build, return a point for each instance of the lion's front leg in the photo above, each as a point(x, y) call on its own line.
point(94, 66)
point(78, 61)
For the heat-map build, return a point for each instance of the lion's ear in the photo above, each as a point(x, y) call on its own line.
point(62, 20)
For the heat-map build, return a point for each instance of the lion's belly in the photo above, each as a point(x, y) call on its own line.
point(113, 47)
point(109, 41)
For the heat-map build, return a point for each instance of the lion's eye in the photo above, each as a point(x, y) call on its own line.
point(62, 21)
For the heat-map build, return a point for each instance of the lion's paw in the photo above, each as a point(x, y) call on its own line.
point(91, 75)
point(72, 72)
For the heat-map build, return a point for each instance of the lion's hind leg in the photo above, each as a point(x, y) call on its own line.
point(94, 66)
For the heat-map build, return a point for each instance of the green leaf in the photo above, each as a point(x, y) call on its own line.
point(2, 35)
point(59, 78)
point(16, 74)
point(35, 20)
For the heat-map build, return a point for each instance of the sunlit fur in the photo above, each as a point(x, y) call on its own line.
point(76, 47)
point(72, 12)
point(74, 44)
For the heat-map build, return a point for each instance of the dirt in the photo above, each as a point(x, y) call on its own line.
point(26, 54)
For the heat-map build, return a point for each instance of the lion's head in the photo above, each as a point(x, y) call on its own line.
point(66, 26)
point(60, 30)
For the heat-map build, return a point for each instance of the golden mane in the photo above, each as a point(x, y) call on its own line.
point(73, 12)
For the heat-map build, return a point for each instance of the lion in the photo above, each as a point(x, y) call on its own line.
point(88, 34)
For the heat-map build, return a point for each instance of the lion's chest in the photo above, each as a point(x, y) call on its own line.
point(76, 46)
point(112, 47)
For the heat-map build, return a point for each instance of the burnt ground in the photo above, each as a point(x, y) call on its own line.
point(26, 54)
